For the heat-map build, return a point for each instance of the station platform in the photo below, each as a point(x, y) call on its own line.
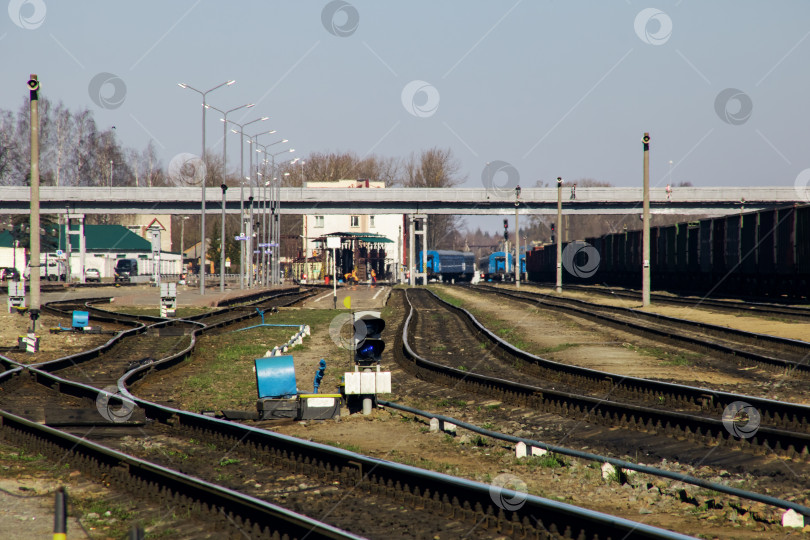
point(147, 295)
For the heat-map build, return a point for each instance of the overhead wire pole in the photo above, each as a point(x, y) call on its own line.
point(33, 86)
point(202, 157)
point(559, 234)
point(222, 247)
point(645, 239)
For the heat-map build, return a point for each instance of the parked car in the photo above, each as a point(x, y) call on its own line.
point(125, 270)
point(92, 275)
point(9, 273)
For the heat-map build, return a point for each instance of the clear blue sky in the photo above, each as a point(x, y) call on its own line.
point(554, 88)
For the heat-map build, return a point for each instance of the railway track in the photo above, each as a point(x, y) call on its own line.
point(756, 308)
point(600, 397)
point(736, 345)
point(431, 501)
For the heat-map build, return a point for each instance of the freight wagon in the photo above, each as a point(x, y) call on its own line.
point(764, 253)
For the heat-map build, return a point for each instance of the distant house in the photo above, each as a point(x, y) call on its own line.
point(11, 256)
point(105, 244)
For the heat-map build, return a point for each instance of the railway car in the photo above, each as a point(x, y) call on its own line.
point(764, 253)
point(493, 267)
point(447, 265)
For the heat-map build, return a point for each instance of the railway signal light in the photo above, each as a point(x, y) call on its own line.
point(370, 347)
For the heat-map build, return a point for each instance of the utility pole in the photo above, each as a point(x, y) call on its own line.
point(645, 238)
point(222, 244)
point(559, 230)
point(33, 86)
point(517, 238)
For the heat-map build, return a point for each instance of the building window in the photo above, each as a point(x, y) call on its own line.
point(355, 221)
point(319, 222)
point(371, 221)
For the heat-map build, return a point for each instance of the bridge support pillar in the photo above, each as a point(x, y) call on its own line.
point(413, 231)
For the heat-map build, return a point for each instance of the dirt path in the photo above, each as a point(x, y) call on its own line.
point(574, 341)
point(747, 322)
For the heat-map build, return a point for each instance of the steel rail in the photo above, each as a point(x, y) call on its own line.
point(661, 473)
point(588, 311)
point(743, 307)
point(771, 411)
point(158, 480)
point(792, 443)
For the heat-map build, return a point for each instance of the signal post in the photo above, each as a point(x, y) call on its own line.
point(364, 381)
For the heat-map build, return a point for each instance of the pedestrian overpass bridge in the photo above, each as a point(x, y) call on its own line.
point(460, 201)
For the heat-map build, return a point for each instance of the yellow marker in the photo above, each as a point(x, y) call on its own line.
point(348, 302)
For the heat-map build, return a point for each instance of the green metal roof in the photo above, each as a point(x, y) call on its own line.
point(6, 240)
point(371, 238)
point(107, 238)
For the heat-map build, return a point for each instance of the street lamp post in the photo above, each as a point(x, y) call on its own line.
point(276, 262)
point(265, 215)
point(224, 121)
point(242, 250)
point(202, 157)
point(252, 140)
point(249, 247)
point(268, 250)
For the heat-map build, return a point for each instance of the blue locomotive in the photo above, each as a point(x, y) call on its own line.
point(446, 265)
point(493, 266)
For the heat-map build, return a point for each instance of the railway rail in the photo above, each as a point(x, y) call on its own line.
point(756, 308)
point(425, 493)
point(667, 408)
point(760, 349)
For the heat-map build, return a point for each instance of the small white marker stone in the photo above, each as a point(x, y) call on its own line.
point(608, 471)
point(791, 518)
point(539, 451)
point(520, 450)
point(434, 425)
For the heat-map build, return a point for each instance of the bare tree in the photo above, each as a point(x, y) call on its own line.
point(8, 148)
point(435, 168)
point(61, 136)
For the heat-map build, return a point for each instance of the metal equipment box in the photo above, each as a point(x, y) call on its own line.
point(318, 406)
point(275, 408)
point(367, 382)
